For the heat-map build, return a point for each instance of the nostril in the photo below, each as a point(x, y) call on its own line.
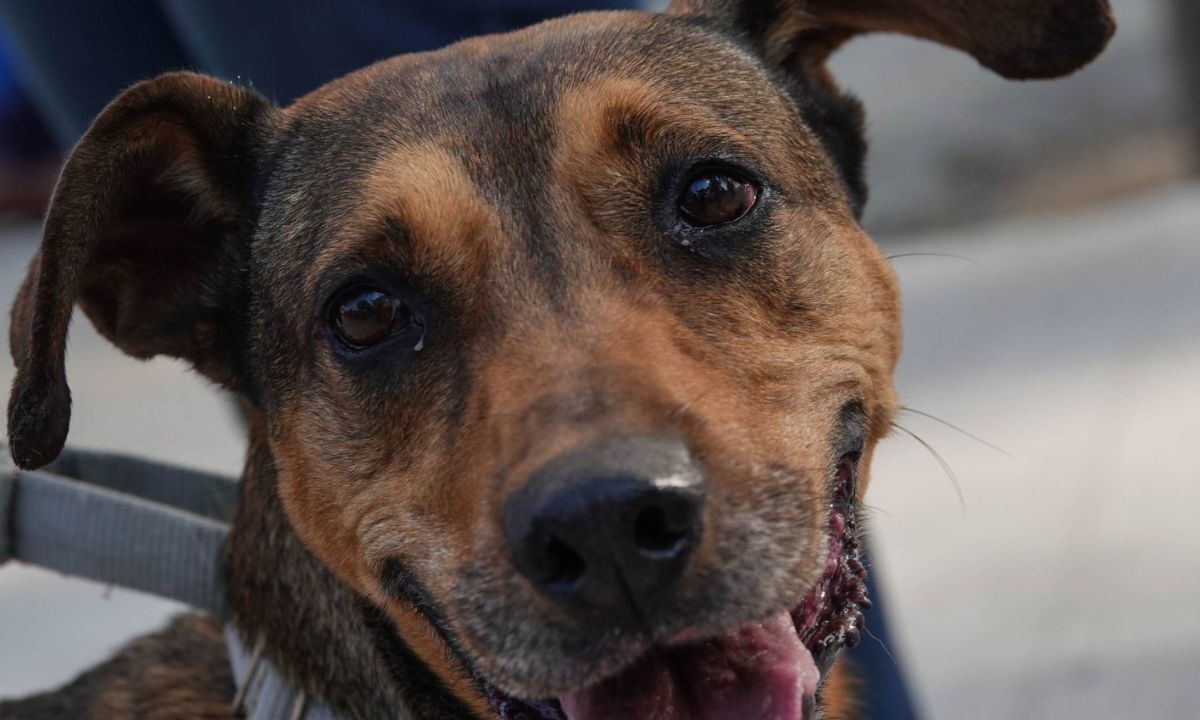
point(655, 533)
point(564, 567)
point(607, 530)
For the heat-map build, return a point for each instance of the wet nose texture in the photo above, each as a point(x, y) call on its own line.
point(606, 530)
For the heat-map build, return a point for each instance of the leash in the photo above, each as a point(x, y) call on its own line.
point(145, 526)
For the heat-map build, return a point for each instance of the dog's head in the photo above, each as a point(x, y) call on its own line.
point(571, 351)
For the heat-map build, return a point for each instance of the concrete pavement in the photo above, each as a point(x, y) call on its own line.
point(1068, 585)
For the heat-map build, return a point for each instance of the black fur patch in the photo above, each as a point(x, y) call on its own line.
point(399, 583)
point(427, 696)
point(839, 123)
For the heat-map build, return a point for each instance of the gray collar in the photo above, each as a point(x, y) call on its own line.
point(149, 527)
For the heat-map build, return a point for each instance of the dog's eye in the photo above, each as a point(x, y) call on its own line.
point(716, 197)
point(363, 316)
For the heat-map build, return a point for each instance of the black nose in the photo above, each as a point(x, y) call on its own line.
point(606, 530)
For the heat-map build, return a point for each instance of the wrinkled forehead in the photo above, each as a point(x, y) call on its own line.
point(479, 138)
point(504, 91)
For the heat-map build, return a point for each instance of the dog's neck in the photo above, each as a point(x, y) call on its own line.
point(328, 640)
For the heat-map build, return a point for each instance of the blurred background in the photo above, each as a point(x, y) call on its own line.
point(1047, 238)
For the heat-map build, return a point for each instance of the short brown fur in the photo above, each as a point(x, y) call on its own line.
point(517, 192)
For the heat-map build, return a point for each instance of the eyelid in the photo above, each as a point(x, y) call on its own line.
point(726, 160)
point(338, 282)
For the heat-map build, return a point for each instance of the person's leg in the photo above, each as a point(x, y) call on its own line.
point(884, 691)
point(1187, 40)
point(28, 155)
point(286, 50)
point(78, 54)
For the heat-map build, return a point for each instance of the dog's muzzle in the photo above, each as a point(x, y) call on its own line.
point(606, 533)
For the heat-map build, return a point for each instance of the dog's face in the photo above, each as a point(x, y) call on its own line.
point(570, 348)
point(576, 270)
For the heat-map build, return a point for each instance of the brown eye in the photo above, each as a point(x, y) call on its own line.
point(363, 317)
point(714, 198)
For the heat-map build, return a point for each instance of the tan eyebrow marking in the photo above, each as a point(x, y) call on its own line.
point(450, 228)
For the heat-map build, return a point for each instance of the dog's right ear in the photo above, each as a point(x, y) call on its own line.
point(149, 231)
point(1018, 39)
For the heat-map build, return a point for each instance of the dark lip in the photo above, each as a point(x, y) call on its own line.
point(839, 621)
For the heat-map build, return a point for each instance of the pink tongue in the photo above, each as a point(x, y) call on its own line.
point(759, 672)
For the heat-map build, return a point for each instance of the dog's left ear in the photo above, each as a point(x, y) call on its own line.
point(149, 231)
point(1019, 39)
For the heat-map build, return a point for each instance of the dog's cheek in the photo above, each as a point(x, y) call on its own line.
point(314, 514)
point(769, 465)
point(876, 314)
point(328, 485)
point(879, 304)
point(403, 513)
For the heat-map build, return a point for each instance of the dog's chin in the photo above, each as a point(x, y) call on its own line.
point(766, 670)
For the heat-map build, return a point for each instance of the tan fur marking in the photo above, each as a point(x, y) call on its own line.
point(426, 192)
point(839, 692)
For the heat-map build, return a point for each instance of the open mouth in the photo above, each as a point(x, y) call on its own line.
point(770, 670)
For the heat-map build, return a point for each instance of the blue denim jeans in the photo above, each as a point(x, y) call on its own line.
point(883, 691)
point(76, 55)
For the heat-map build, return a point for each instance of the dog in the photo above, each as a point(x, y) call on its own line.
point(562, 352)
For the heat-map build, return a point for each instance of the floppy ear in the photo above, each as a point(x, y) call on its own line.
point(1019, 39)
point(149, 231)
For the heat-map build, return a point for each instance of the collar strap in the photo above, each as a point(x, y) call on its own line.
point(146, 526)
point(122, 522)
point(262, 691)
